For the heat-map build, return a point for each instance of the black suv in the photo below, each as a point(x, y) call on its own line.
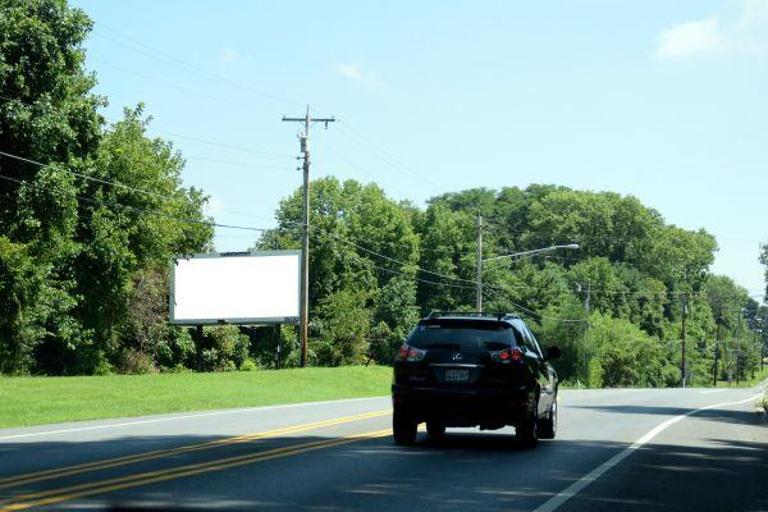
point(474, 369)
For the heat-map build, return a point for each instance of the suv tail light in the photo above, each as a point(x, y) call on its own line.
point(508, 355)
point(410, 354)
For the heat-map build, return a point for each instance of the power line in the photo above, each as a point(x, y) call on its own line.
point(394, 260)
point(178, 87)
point(222, 145)
point(87, 177)
point(194, 138)
point(117, 184)
point(360, 140)
point(142, 48)
point(531, 313)
point(143, 210)
point(400, 271)
point(233, 163)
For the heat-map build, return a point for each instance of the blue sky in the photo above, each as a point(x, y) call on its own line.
point(662, 100)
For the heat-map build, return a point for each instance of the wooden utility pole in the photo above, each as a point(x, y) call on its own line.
point(479, 266)
point(717, 349)
point(304, 308)
point(682, 339)
point(586, 334)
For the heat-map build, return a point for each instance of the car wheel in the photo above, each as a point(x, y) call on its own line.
point(436, 430)
point(548, 427)
point(403, 428)
point(527, 431)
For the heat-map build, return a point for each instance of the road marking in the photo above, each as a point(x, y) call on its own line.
point(156, 454)
point(181, 417)
point(88, 489)
point(709, 392)
point(572, 490)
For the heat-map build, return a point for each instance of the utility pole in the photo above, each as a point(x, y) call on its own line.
point(586, 333)
point(738, 345)
point(584, 356)
point(479, 265)
point(304, 307)
point(682, 339)
point(717, 348)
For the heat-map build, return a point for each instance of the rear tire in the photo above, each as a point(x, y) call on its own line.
point(436, 430)
point(403, 428)
point(527, 431)
point(548, 427)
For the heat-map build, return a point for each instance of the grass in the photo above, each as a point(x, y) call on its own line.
point(28, 401)
point(760, 376)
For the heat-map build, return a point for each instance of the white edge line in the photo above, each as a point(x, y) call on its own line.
point(572, 490)
point(183, 417)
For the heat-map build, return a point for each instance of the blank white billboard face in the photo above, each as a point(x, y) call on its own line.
point(236, 289)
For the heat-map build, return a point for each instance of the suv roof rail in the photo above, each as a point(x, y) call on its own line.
point(479, 314)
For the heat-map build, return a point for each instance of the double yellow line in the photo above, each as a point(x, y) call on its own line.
point(53, 496)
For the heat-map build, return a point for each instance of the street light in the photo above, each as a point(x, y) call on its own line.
point(523, 254)
point(531, 253)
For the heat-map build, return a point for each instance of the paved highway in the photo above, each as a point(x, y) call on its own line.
point(622, 449)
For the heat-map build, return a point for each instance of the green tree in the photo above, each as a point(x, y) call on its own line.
point(74, 245)
point(343, 325)
point(47, 114)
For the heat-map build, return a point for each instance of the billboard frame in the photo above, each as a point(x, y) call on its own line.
point(229, 321)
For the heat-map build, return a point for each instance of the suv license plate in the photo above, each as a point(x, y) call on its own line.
point(456, 375)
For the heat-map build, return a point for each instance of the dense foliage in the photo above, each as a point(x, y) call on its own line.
point(83, 249)
point(378, 264)
point(89, 222)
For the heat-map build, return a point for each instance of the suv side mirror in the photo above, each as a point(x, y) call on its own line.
point(553, 353)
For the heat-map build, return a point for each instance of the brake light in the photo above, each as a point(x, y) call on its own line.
point(410, 354)
point(508, 355)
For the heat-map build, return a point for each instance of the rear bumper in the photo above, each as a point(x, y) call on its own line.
point(489, 407)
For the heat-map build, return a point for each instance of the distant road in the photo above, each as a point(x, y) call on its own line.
point(622, 449)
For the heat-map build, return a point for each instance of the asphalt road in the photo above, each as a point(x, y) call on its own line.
point(623, 449)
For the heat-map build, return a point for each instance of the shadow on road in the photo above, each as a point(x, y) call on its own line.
point(466, 471)
point(725, 415)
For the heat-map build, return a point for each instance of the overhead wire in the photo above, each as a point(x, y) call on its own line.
point(411, 275)
point(111, 183)
point(145, 210)
point(175, 86)
point(141, 47)
point(334, 235)
point(194, 138)
point(346, 128)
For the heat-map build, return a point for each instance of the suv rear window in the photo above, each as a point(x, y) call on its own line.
point(464, 335)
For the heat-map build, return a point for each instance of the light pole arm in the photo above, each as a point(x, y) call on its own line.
point(531, 253)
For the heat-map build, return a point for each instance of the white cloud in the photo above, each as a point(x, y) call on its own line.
point(352, 71)
point(357, 74)
point(229, 56)
point(740, 33)
point(754, 12)
point(691, 38)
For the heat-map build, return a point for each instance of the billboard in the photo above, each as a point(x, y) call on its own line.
point(246, 288)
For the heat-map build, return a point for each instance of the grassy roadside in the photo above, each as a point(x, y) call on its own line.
point(28, 401)
point(760, 376)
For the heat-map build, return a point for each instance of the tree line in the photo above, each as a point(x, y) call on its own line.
point(615, 306)
point(92, 212)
